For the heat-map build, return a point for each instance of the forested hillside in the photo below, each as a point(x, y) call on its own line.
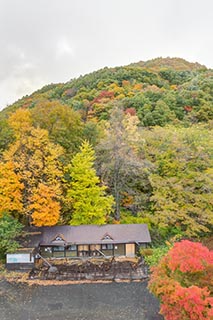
point(136, 140)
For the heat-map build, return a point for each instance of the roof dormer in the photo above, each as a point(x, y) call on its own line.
point(107, 237)
point(58, 238)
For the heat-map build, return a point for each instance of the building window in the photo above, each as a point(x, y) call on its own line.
point(73, 247)
point(107, 237)
point(58, 249)
point(107, 246)
point(47, 249)
point(58, 238)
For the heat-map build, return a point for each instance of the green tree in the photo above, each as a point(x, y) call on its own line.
point(6, 135)
point(89, 200)
point(182, 183)
point(9, 229)
point(63, 124)
point(161, 115)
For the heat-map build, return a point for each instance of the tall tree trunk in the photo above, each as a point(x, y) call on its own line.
point(116, 189)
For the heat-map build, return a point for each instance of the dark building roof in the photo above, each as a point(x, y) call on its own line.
point(94, 234)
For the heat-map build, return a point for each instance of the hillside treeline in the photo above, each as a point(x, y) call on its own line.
point(129, 144)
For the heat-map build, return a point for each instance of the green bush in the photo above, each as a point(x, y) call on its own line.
point(9, 229)
point(146, 252)
point(156, 254)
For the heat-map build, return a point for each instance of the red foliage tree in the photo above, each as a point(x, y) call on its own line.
point(187, 256)
point(130, 111)
point(180, 282)
point(106, 95)
point(188, 108)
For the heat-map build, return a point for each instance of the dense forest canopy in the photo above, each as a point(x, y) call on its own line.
point(149, 125)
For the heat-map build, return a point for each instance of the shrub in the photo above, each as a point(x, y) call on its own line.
point(9, 229)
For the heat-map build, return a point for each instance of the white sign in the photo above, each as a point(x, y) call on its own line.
point(20, 258)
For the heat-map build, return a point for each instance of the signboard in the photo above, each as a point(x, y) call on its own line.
point(20, 258)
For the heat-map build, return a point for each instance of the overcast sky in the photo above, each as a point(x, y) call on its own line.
point(50, 41)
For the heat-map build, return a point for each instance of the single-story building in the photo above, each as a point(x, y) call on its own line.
point(77, 242)
point(93, 240)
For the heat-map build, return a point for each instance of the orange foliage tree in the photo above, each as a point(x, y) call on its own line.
point(179, 281)
point(46, 210)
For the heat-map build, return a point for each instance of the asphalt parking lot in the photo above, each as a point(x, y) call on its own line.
point(102, 301)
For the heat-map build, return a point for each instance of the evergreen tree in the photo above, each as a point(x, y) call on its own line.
point(89, 200)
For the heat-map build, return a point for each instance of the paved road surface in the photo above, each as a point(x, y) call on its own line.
point(113, 301)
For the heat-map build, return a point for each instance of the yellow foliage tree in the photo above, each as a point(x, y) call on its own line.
point(20, 122)
point(10, 189)
point(35, 158)
point(91, 204)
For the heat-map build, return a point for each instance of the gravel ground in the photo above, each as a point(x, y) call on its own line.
point(107, 301)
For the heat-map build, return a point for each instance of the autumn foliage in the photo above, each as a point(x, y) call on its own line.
point(46, 210)
point(179, 282)
point(91, 204)
point(149, 124)
point(31, 173)
point(10, 189)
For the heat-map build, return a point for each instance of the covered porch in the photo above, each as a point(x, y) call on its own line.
point(88, 250)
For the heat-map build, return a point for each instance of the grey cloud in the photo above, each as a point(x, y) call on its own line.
point(47, 41)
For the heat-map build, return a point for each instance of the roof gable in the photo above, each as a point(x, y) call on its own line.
point(58, 237)
point(58, 240)
point(107, 237)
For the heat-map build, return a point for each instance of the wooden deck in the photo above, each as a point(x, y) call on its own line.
point(105, 269)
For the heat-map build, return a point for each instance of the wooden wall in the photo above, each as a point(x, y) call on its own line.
point(130, 249)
